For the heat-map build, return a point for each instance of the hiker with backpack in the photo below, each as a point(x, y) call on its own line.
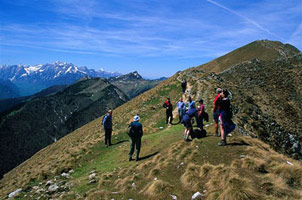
point(216, 107)
point(169, 109)
point(184, 86)
point(187, 121)
point(107, 124)
point(135, 133)
point(225, 117)
point(181, 107)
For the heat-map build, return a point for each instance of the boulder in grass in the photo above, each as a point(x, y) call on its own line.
point(197, 195)
point(15, 193)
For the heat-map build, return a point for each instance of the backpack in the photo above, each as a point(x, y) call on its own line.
point(131, 131)
point(205, 116)
point(104, 118)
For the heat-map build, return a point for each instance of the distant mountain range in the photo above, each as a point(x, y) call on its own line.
point(23, 80)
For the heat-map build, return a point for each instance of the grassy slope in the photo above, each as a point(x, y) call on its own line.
point(82, 151)
point(263, 50)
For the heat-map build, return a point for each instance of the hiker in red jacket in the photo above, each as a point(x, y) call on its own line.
point(169, 108)
point(216, 107)
point(199, 118)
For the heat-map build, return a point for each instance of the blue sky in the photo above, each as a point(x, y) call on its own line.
point(155, 37)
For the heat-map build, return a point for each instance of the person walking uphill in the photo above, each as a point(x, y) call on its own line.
point(169, 108)
point(184, 86)
point(135, 132)
point(107, 124)
point(225, 117)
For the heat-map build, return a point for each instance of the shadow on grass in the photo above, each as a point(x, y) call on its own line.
point(238, 144)
point(119, 142)
point(148, 156)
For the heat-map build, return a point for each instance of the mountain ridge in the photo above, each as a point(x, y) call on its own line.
point(245, 169)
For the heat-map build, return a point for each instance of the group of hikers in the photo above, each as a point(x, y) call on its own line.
point(187, 112)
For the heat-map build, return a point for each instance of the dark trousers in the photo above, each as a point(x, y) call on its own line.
point(169, 115)
point(135, 142)
point(108, 133)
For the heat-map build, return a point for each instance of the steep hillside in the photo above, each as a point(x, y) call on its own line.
point(6, 104)
point(245, 169)
point(32, 125)
point(7, 89)
point(133, 83)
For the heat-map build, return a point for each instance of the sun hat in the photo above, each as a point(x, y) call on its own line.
point(136, 118)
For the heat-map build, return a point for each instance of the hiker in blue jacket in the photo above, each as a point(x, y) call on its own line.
point(135, 132)
point(107, 124)
point(191, 103)
point(181, 107)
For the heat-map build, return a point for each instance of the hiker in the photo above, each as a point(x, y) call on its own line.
point(135, 132)
point(200, 115)
point(184, 85)
point(107, 124)
point(216, 108)
point(187, 121)
point(225, 117)
point(191, 103)
point(169, 108)
point(181, 107)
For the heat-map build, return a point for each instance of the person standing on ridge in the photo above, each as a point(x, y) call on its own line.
point(216, 107)
point(181, 107)
point(225, 117)
point(200, 115)
point(107, 124)
point(135, 132)
point(191, 103)
point(169, 108)
point(184, 85)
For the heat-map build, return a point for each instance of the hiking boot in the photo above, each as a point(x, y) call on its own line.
point(130, 159)
point(222, 143)
point(137, 159)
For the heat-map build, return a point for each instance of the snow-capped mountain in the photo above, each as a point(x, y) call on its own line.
point(32, 79)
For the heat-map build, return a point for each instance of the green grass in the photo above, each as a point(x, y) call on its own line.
point(105, 160)
point(112, 159)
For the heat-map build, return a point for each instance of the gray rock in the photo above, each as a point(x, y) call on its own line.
point(92, 176)
point(65, 175)
point(197, 195)
point(48, 183)
point(53, 188)
point(36, 188)
point(15, 193)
